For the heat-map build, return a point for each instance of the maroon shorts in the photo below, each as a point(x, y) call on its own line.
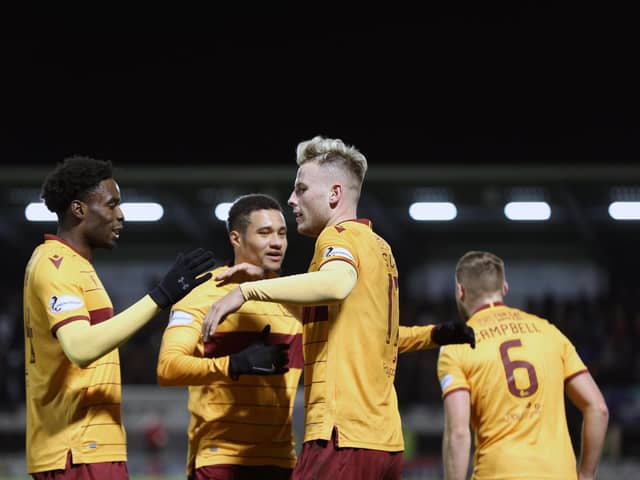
point(321, 459)
point(86, 471)
point(240, 472)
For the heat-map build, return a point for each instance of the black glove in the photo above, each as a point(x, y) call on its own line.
point(181, 279)
point(453, 332)
point(260, 358)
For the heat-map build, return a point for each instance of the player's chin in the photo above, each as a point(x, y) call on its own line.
point(111, 244)
point(272, 265)
point(305, 230)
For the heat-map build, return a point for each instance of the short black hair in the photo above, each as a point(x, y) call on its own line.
point(243, 207)
point(73, 179)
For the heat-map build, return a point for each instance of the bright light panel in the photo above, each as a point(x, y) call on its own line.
point(527, 211)
point(142, 211)
point(222, 211)
point(433, 211)
point(38, 212)
point(133, 212)
point(625, 210)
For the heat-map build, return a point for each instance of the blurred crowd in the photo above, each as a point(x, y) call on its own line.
point(604, 331)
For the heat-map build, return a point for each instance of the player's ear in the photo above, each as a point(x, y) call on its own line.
point(234, 238)
point(78, 209)
point(335, 194)
point(505, 288)
point(460, 293)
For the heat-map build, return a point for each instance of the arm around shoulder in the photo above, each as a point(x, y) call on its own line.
point(331, 284)
point(415, 338)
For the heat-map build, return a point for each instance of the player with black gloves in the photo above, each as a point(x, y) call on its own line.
point(74, 426)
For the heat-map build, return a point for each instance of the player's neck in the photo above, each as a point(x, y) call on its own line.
point(76, 240)
point(486, 302)
point(342, 214)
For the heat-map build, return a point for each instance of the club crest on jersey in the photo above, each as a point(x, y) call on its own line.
point(56, 260)
point(332, 252)
point(64, 303)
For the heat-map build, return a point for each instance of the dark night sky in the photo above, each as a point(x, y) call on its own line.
point(523, 85)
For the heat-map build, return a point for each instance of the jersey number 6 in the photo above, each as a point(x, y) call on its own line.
point(511, 365)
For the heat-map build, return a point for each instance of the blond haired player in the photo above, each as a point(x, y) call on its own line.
point(511, 388)
point(241, 402)
point(74, 426)
point(351, 334)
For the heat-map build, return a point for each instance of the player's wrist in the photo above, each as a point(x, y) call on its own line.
point(238, 364)
point(160, 297)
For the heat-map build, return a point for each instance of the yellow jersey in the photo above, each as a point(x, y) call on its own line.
point(351, 347)
point(515, 378)
point(68, 408)
point(239, 422)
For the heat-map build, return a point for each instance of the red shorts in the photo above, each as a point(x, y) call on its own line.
point(321, 459)
point(86, 471)
point(240, 472)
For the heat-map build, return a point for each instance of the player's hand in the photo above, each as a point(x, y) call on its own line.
point(260, 358)
point(242, 272)
point(231, 302)
point(453, 332)
point(183, 277)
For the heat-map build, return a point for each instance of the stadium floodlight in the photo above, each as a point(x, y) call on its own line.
point(38, 212)
point(132, 211)
point(527, 211)
point(625, 210)
point(222, 211)
point(142, 211)
point(433, 211)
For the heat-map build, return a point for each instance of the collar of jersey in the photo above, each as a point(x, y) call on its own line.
point(489, 305)
point(364, 221)
point(49, 236)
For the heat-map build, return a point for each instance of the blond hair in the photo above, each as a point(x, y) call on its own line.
point(480, 273)
point(333, 151)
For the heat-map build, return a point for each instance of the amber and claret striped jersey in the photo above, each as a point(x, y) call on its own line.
point(68, 408)
point(515, 378)
point(239, 422)
point(351, 347)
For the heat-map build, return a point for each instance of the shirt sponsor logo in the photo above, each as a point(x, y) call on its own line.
point(446, 381)
point(64, 303)
point(179, 317)
point(332, 252)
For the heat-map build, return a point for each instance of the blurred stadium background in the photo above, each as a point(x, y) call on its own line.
point(577, 268)
point(472, 110)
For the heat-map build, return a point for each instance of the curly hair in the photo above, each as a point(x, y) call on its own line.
point(243, 207)
point(72, 179)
